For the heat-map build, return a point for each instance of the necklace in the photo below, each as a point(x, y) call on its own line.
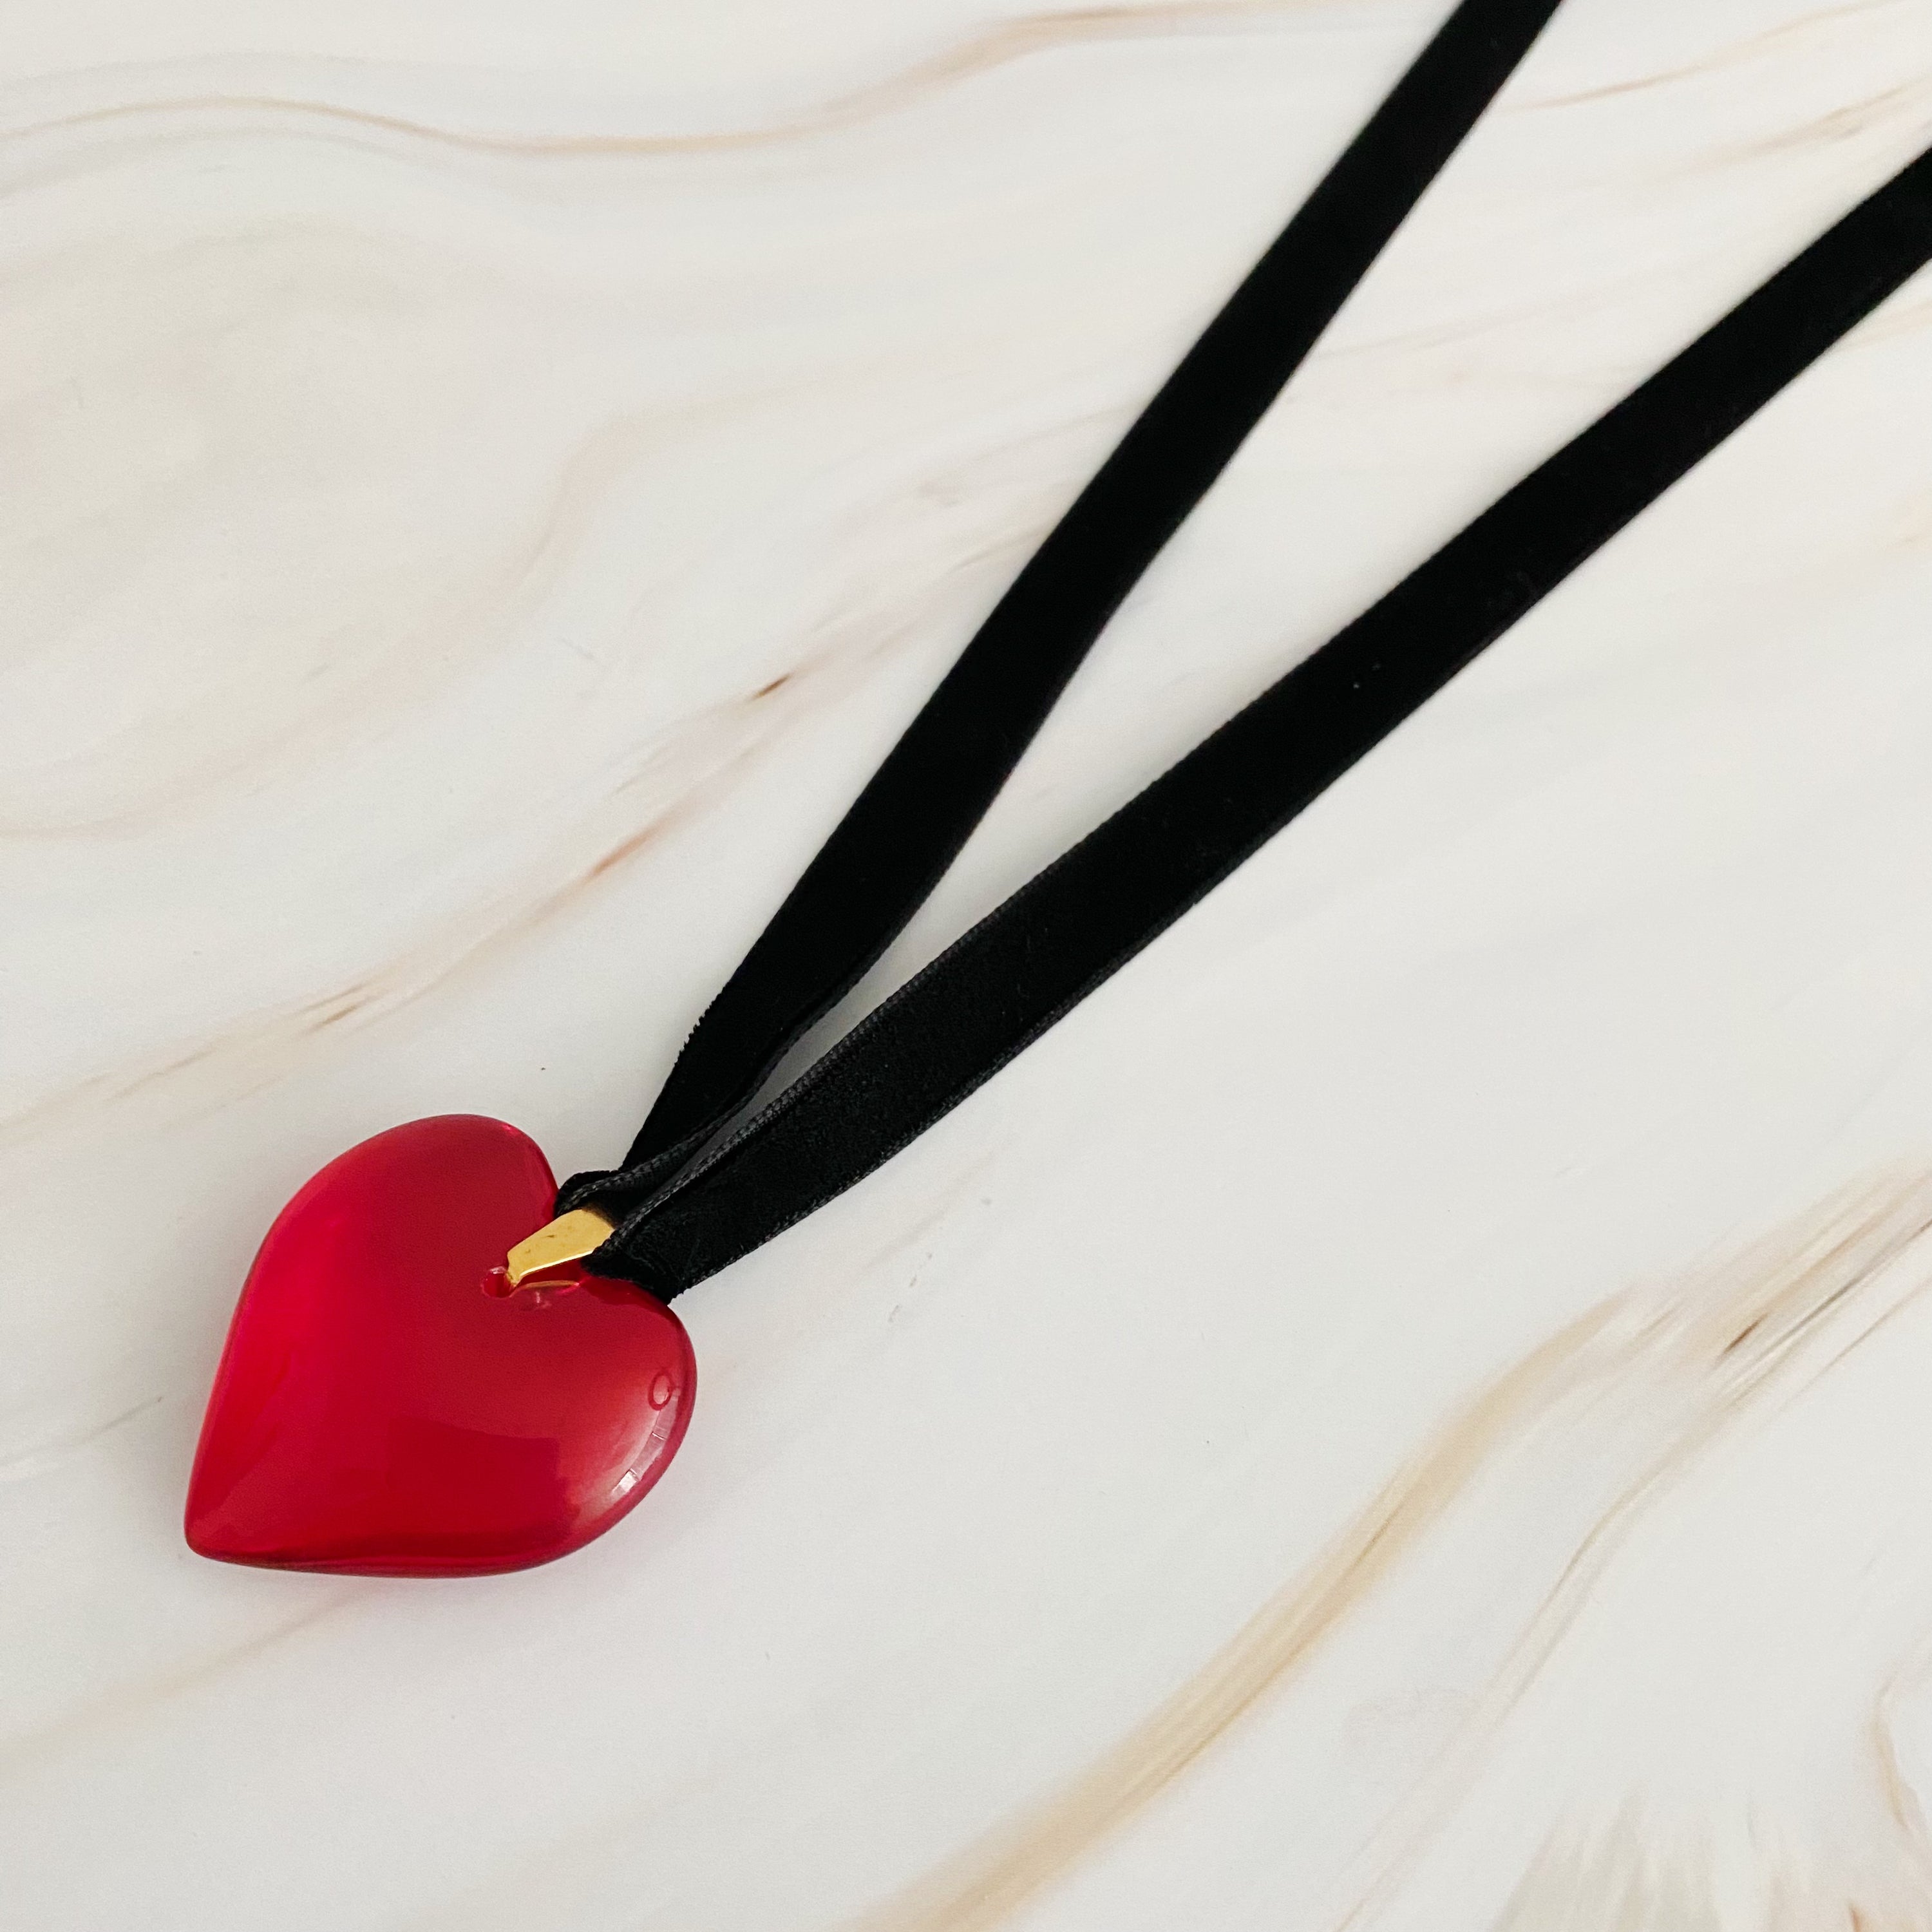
point(420, 1379)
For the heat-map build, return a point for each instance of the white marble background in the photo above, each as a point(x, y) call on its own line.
point(1409, 1411)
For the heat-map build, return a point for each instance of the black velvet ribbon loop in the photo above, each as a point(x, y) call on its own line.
point(694, 1198)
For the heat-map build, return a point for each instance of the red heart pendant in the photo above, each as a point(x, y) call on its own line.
point(385, 1407)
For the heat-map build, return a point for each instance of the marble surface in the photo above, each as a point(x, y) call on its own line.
point(1409, 1410)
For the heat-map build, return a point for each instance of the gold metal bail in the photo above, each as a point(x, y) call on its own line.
point(568, 1238)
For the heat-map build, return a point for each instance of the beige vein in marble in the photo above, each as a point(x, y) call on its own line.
point(1695, 1362)
point(1011, 40)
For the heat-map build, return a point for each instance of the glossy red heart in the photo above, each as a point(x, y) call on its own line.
point(384, 1406)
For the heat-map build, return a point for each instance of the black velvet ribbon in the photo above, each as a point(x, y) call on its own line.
point(694, 1197)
